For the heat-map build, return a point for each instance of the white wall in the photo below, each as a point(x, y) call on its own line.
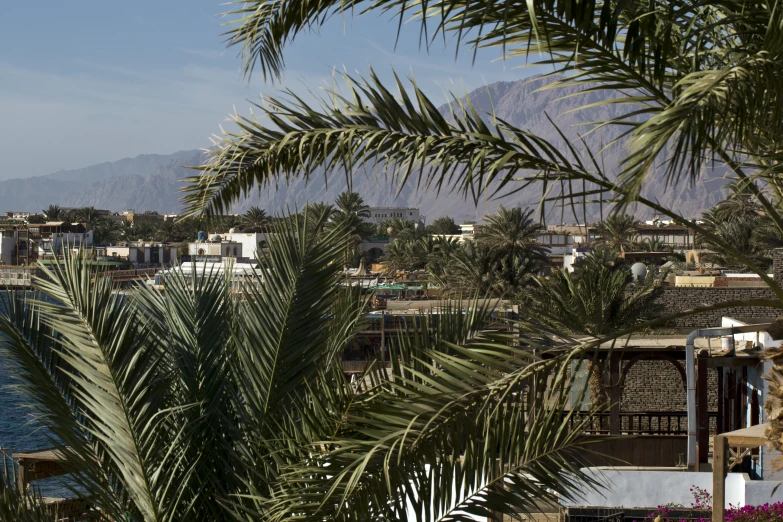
point(248, 240)
point(637, 488)
point(760, 492)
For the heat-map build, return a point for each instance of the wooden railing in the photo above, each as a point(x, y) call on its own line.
point(637, 423)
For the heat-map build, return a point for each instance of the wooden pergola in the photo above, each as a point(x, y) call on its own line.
point(38, 465)
point(729, 450)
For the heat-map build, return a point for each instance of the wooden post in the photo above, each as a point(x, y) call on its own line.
point(22, 477)
point(720, 467)
point(721, 403)
point(383, 337)
point(615, 393)
point(702, 411)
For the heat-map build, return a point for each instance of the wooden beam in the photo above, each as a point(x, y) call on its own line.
point(732, 362)
point(720, 467)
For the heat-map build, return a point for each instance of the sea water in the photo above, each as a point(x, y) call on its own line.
point(18, 429)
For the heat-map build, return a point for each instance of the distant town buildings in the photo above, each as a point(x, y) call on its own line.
point(380, 214)
point(215, 247)
point(141, 254)
point(149, 216)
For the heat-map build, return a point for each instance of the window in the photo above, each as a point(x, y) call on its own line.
point(201, 251)
point(235, 251)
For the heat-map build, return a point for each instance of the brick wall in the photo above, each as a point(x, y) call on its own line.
point(657, 386)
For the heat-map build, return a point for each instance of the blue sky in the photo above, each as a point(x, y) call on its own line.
point(88, 81)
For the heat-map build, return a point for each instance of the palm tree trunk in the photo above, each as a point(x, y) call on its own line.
point(599, 398)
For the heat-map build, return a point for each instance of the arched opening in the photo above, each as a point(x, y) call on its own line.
point(201, 251)
point(374, 254)
point(653, 383)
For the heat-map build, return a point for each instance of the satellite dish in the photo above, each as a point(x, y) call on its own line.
point(639, 271)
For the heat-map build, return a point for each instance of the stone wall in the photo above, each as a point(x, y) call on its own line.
point(777, 265)
point(654, 385)
point(672, 300)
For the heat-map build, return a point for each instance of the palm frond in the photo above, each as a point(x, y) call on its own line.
point(113, 378)
point(446, 438)
point(16, 504)
point(369, 127)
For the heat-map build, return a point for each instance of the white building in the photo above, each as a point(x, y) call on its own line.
point(380, 214)
point(215, 247)
point(57, 235)
point(155, 254)
point(250, 241)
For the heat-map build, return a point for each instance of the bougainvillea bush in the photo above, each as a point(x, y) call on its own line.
point(701, 511)
point(765, 513)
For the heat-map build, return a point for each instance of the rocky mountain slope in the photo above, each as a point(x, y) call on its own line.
point(152, 182)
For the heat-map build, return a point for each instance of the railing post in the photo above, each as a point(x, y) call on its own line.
point(702, 411)
point(615, 393)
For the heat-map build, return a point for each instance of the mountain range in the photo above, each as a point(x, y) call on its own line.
point(152, 182)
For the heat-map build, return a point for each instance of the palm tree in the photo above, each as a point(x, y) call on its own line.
point(205, 404)
point(189, 227)
point(86, 214)
point(617, 232)
point(598, 301)
point(687, 91)
point(740, 232)
point(352, 204)
point(766, 236)
point(512, 234)
point(106, 230)
point(443, 226)
point(165, 232)
point(469, 270)
point(653, 245)
point(255, 219)
point(317, 216)
point(740, 204)
point(53, 213)
point(399, 228)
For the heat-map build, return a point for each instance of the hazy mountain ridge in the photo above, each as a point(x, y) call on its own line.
point(152, 182)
